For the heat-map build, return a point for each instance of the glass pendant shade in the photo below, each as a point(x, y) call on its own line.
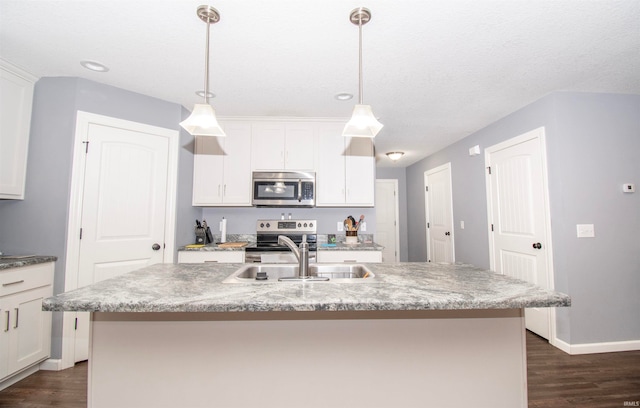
point(203, 122)
point(363, 123)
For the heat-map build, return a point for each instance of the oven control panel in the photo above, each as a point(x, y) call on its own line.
point(286, 226)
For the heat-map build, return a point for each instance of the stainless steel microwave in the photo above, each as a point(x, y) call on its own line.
point(284, 189)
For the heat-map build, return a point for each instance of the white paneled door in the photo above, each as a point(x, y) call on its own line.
point(439, 214)
point(387, 231)
point(124, 205)
point(518, 216)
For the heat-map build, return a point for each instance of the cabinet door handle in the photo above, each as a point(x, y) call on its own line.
point(350, 261)
point(6, 329)
point(15, 326)
point(210, 261)
point(12, 283)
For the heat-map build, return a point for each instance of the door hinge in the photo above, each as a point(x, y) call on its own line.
point(492, 227)
point(426, 188)
point(489, 169)
point(80, 233)
point(86, 146)
point(427, 225)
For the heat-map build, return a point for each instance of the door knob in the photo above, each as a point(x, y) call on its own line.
point(155, 246)
point(537, 245)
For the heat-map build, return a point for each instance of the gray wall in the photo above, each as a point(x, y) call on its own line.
point(400, 174)
point(592, 145)
point(38, 223)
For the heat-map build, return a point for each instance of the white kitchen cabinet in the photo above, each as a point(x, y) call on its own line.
point(222, 167)
point(210, 256)
point(16, 94)
point(345, 171)
point(349, 256)
point(287, 145)
point(25, 330)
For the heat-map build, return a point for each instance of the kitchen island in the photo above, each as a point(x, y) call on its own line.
point(416, 335)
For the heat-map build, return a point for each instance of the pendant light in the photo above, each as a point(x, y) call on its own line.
point(363, 123)
point(202, 121)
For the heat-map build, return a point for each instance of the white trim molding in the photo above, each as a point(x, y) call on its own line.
point(594, 348)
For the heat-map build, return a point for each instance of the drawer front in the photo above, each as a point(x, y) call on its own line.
point(16, 280)
point(210, 256)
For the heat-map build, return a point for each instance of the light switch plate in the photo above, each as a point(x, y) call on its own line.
point(340, 226)
point(363, 227)
point(586, 231)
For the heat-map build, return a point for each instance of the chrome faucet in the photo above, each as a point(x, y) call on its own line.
point(302, 254)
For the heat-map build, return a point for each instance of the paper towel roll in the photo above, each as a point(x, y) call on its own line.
point(223, 230)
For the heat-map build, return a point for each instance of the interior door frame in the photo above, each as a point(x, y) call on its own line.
point(426, 209)
point(539, 134)
point(83, 121)
point(396, 216)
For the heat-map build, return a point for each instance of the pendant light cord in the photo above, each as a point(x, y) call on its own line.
point(360, 57)
point(206, 66)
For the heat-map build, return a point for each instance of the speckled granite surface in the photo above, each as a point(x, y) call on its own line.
point(401, 286)
point(8, 262)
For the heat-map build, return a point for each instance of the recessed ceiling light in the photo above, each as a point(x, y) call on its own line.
point(209, 94)
point(94, 66)
point(344, 96)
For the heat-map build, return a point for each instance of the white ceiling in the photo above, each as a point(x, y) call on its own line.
point(434, 71)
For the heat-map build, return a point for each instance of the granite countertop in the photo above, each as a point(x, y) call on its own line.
point(399, 286)
point(341, 246)
point(16, 261)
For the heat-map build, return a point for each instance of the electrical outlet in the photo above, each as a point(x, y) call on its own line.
point(461, 224)
point(363, 227)
point(586, 231)
point(340, 226)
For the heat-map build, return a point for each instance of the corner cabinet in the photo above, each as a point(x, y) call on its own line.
point(16, 93)
point(25, 330)
point(222, 167)
point(345, 171)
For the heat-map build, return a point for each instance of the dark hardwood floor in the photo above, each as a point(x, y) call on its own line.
point(556, 380)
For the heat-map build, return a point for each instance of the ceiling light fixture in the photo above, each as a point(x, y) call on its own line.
point(344, 96)
point(202, 121)
point(395, 155)
point(363, 123)
point(94, 66)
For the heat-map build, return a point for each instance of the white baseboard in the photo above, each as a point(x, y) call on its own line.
point(593, 348)
point(51, 364)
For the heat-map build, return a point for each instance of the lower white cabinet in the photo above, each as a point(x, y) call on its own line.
point(350, 256)
point(210, 256)
point(25, 330)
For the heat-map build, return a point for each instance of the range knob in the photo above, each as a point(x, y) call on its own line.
point(299, 224)
point(311, 224)
point(262, 225)
point(268, 225)
point(305, 225)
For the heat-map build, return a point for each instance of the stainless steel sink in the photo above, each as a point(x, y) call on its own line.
point(273, 272)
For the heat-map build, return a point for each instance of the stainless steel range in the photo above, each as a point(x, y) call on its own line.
point(268, 250)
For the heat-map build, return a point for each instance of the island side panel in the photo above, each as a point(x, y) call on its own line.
point(443, 359)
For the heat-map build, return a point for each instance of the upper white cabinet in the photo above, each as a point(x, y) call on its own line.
point(344, 167)
point(222, 167)
point(16, 97)
point(282, 145)
point(345, 170)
